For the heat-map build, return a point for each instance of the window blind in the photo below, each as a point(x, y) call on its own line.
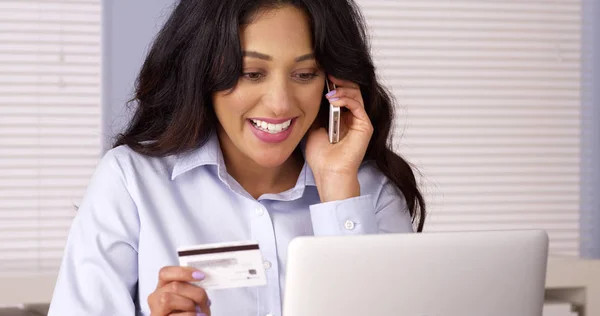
point(50, 139)
point(489, 95)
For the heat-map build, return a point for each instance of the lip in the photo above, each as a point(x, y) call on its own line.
point(272, 138)
point(271, 120)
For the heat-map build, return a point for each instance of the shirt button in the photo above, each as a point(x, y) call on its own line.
point(267, 264)
point(260, 211)
point(349, 225)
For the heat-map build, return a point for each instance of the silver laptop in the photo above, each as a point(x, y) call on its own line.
point(431, 274)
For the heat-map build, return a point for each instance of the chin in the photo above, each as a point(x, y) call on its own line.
point(271, 158)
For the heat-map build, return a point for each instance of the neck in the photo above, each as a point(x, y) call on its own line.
point(258, 180)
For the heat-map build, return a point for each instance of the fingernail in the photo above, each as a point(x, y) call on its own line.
point(198, 309)
point(331, 93)
point(201, 314)
point(334, 99)
point(209, 302)
point(198, 275)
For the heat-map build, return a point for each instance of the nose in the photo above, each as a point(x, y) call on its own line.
point(279, 97)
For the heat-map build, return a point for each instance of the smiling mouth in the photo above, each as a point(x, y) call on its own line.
point(271, 128)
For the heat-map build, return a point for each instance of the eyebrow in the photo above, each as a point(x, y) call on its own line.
point(269, 58)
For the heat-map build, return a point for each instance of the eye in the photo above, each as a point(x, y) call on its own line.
point(253, 76)
point(305, 76)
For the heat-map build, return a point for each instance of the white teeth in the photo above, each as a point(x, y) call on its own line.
point(272, 128)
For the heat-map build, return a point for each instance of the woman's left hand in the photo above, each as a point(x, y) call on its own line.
point(335, 166)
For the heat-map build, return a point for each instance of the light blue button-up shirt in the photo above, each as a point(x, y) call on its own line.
point(137, 210)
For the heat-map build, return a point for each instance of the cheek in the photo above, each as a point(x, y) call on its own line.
point(311, 103)
point(229, 108)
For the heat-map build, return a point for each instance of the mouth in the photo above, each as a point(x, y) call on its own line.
point(271, 128)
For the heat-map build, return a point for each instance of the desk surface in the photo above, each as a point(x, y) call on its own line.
point(572, 272)
point(576, 281)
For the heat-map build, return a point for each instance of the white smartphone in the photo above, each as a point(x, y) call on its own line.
point(334, 118)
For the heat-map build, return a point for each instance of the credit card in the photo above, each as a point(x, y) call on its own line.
point(226, 265)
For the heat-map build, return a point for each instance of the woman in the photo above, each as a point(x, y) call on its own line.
point(228, 144)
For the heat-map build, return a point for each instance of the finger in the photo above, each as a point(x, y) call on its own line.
point(198, 312)
point(188, 290)
point(346, 92)
point(178, 274)
point(343, 83)
point(165, 303)
point(354, 106)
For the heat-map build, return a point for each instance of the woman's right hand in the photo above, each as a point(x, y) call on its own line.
point(174, 295)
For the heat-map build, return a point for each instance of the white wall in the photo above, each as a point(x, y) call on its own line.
point(128, 29)
point(590, 155)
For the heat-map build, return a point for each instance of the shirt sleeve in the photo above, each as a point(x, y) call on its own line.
point(384, 211)
point(98, 274)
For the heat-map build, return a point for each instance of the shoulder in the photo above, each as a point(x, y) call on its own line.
point(125, 175)
point(133, 164)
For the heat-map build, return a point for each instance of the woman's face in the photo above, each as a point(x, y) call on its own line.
point(265, 116)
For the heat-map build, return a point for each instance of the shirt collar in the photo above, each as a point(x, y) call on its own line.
point(207, 154)
point(210, 154)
